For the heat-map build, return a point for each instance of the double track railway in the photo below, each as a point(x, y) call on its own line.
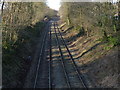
point(43, 76)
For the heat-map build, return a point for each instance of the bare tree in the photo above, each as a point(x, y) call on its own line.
point(2, 7)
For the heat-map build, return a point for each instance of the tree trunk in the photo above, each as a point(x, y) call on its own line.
point(2, 8)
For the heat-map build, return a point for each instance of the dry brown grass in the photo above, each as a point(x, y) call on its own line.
point(99, 64)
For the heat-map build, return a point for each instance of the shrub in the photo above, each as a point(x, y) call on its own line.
point(113, 40)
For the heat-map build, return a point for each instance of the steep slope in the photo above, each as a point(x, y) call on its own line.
point(92, 32)
point(98, 64)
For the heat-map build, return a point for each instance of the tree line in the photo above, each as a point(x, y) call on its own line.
point(93, 18)
point(21, 23)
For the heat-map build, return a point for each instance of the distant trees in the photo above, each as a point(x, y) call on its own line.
point(91, 15)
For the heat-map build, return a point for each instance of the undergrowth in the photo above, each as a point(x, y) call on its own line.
point(14, 55)
point(111, 41)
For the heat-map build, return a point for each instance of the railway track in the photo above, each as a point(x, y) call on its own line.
point(62, 58)
point(43, 75)
point(50, 55)
point(73, 80)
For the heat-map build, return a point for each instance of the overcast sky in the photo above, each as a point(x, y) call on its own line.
point(54, 4)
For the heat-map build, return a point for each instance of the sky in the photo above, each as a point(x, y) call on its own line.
point(54, 4)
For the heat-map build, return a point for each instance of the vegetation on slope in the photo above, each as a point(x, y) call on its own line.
point(98, 19)
point(92, 31)
point(21, 25)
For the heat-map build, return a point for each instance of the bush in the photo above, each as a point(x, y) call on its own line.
point(114, 40)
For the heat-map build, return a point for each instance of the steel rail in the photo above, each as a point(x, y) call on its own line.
point(62, 59)
point(39, 61)
point(50, 48)
point(76, 67)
